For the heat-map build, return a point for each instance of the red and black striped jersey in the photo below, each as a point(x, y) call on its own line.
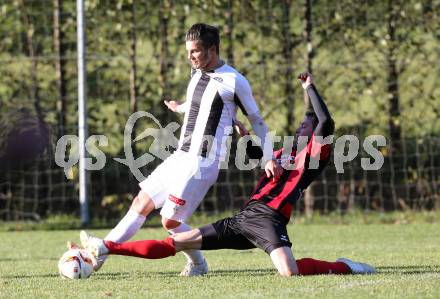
point(284, 192)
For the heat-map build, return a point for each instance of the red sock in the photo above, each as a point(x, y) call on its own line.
point(308, 266)
point(148, 249)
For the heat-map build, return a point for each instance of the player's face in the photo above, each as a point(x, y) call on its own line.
point(305, 128)
point(199, 57)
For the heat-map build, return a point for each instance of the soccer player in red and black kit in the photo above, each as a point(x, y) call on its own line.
point(262, 222)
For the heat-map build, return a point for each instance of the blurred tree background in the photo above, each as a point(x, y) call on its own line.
point(375, 62)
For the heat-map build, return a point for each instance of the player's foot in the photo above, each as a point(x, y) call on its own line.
point(357, 268)
point(193, 269)
point(86, 255)
point(96, 247)
point(72, 245)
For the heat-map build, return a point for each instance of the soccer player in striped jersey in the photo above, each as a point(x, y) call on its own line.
point(262, 222)
point(177, 186)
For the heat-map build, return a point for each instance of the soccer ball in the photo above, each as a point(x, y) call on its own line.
point(75, 264)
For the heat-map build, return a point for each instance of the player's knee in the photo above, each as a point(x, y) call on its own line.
point(169, 223)
point(143, 204)
point(286, 271)
point(287, 268)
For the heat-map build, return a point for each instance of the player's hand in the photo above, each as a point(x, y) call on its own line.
point(273, 169)
point(240, 128)
point(306, 79)
point(172, 105)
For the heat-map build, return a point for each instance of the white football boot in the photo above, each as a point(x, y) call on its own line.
point(84, 253)
point(356, 267)
point(193, 269)
point(96, 247)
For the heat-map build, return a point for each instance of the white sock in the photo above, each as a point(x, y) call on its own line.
point(127, 227)
point(192, 255)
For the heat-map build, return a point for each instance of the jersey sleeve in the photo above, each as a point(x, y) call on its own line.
point(253, 151)
point(243, 96)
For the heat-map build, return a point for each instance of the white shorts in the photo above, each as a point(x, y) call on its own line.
point(179, 184)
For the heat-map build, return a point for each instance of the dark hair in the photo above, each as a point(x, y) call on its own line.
point(312, 115)
point(207, 34)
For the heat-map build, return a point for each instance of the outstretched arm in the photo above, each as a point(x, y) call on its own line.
point(245, 100)
point(325, 125)
point(252, 151)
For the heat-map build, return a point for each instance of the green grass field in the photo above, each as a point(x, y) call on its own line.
point(407, 257)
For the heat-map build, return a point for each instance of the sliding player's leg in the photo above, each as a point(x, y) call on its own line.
point(286, 264)
point(153, 249)
point(190, 240)
point(149, 249)
point(218, 235)
point(283, 260)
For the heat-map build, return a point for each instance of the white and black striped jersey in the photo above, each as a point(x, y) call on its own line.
point(212, 100)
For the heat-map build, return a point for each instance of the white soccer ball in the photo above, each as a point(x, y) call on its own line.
point(75, 264)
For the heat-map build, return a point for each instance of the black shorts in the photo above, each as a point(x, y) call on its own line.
point(257, 225)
